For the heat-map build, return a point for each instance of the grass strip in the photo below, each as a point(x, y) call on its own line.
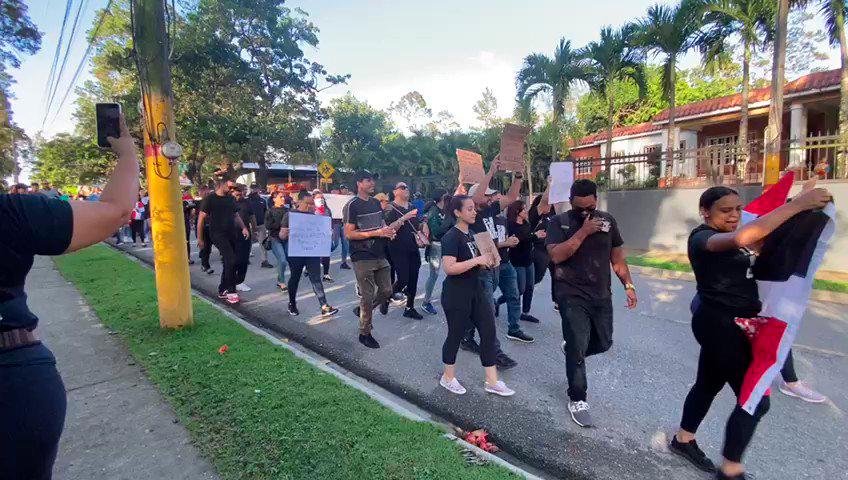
point(642, 261)
point(257, 411)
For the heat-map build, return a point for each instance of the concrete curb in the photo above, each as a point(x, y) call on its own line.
point(389, 400)
point(817, 295)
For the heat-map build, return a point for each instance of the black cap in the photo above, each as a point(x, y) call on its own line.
point(363, 174)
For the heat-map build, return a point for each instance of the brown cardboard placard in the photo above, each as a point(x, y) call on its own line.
point(511, 156)
point(487, 246)
point(470, 166)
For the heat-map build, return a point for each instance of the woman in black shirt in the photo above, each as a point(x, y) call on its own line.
point(32, 396)
point(465, 301)
point(521, 255)
point(273, 222)
point(721, 259)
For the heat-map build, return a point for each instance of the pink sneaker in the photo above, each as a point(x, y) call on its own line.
point(802, 391)
point(500, 389)
point(233, 298)
point(452, 386)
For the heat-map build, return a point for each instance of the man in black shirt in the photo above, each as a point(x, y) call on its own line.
point(244, 207)
point(366, 229)
point(582, 244)
point(225, 229)
point(403, 249)
point(259, 205)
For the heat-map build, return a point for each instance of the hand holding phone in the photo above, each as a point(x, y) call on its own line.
point(108, 123)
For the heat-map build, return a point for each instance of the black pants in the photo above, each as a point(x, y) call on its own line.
point(587, 331)
point(242, 257)
point(313, 272)
point(325, 264)
point(33, 403)
point(206, 250)
point(407, 265)
point(724, 359)
point(467, 306)
point(225, 242)
point(188, 237)
point(788, 370)
point(137, 229)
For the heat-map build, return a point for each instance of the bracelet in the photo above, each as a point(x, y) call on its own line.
point(629, 286)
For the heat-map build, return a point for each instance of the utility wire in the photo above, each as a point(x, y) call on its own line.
point(50, 76)
point(68, 46)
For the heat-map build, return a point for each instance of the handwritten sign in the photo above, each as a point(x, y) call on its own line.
point(336, 203)
point(486, 246)
point(309, 235)
point(511, 156)
point(562, 177)
point(470, 166)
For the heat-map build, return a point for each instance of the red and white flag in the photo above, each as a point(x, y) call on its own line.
point(784, 271)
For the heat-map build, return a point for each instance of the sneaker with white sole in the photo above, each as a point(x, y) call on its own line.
point(233, 298)
point(328, 311)
point(500, 389)
point(580, 413)
point(801, 391)
point(562, 347)
point(243, 288)
point(398, 298)
point(452, 386)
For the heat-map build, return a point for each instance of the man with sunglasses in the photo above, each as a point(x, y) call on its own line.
point(582, 243)
point(404, 248)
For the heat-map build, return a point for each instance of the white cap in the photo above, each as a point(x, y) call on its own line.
point(473, 190)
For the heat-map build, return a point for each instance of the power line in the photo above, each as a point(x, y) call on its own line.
point(83, 60)
point(50, 76)
point(68, 47)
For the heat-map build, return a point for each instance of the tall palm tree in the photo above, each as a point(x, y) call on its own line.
point(611, 59)
point(753, 22)
point(771, 168)
point(670, 32)
point(834, 12)
point(555, 76)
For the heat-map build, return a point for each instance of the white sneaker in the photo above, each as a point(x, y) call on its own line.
point(242, 288)
point(500, 389)
point(802, 391)
point(453, 386)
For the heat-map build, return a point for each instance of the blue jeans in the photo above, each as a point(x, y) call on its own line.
point(434, 260)
point(508, 283)
point(526, 281)
point(280, 253)
point(345, 244)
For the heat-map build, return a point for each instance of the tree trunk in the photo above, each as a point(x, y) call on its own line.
point(610, 115)
point(672, 131)
point(262, 174)
point(555, 141)
point(528, 162)
point(842, 168)
point(771, 170)
point(742, 159)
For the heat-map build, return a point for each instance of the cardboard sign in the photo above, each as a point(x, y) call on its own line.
point(562, 177)
point(511, 156)
point(470, 166)
point(309, 235)
point(336, 203)
point(486, 246)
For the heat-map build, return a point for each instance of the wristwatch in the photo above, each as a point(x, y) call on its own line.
point(629, 286)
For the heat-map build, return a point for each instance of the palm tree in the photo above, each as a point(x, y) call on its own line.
point(778, 77)
point(834, 12)
point(612, 59)
point(753, 22)
point(555, 76)
point(670, 32)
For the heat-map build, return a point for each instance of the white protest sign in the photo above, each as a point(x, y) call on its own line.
point(562, 177)
point(336, 203)
point(309, 235)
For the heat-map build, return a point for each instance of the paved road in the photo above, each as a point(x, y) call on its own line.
point(636, 389)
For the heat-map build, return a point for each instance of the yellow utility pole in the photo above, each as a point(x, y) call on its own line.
point(773, 146)
point(173, 285)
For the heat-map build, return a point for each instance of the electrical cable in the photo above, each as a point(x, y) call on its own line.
point(82, 5)
point(50, 76)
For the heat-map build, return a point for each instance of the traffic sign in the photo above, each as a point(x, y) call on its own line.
point(325, 169)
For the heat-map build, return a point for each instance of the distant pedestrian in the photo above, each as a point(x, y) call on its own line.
point(404, 249)
point(204, 249)
point(273, 222)
point(137, 217)
point(439, 221)
point(260, 206)
point(243, 246)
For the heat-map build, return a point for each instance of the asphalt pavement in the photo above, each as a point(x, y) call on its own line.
point(636, 390)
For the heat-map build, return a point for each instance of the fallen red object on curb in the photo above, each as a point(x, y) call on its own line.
point(223, 349)
point(479, 438)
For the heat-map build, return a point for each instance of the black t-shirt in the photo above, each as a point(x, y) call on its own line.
point(405, 239)
point(245, 209)
point(724, 278)
point(489, 219)
point(586, 274)
point(520, 255)
point(220, 210)
point(540, 222)
point(32, 225)
point(456, 243)
point(260, 206)
point(365, 215)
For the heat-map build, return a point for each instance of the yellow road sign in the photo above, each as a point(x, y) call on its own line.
point(325, 169)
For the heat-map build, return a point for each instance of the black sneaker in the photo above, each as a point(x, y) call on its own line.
point(266, 264)
point(368, 341)
point(207, 270)
point(528, 318)
point(520, 336)
point(580, 413)
point(293, 311)
point(384, 308)
point(413, 314)
point(691, 452)
point(190, 261)
point(344, 266)
point(327, 278)
point(469, 345)
point(503, 362)
point(328, 311)
point(721, 476)
point(356, 311)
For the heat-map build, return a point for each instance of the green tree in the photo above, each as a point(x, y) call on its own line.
point(552, 75)
point(670, 32)
point(486, 110)
point(356, 133)
point(614, 58)
point(413, 110)
point(69, 161)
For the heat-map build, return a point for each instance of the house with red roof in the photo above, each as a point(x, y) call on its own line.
point(811, 107)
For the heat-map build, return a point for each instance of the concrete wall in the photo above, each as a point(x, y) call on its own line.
point(662, 219)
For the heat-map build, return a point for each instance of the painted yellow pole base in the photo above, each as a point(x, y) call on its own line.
point(771, 170)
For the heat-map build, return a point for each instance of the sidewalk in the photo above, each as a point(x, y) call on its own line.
point(117, 426)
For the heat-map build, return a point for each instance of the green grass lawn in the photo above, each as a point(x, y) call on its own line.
point(258, 412)
point(642, 261)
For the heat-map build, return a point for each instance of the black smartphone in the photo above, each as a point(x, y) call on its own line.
point(108, 122)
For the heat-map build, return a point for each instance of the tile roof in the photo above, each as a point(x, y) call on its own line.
point(620, 132)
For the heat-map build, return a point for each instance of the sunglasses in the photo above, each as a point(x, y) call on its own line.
point(401, 187)
point(582, 211)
